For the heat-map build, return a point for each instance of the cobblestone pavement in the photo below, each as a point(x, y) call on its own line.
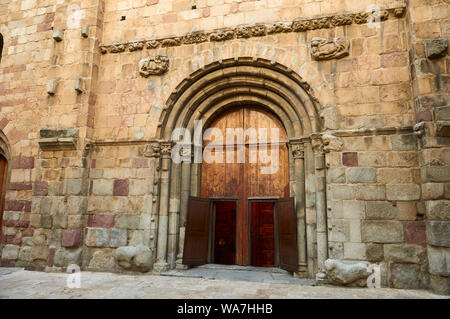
point(18, 283)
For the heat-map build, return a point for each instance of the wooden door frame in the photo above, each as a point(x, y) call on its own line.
point(275, 223)
point(212, 227)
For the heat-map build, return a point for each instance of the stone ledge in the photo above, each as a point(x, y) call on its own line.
point(58, 144)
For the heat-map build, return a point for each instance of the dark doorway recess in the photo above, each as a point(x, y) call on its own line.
point(225, 233)
point(262, 235)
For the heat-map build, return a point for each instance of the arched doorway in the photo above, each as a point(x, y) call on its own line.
point(248, 171)
point(203, 96)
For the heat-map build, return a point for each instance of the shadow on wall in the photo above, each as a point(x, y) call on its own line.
point(1, 46)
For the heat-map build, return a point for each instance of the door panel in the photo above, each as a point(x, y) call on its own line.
point(196, 242)
point(287, 234)
point(243, 180)
point(262, 234)
point(225, 233)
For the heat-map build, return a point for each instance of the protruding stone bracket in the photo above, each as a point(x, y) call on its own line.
point(152, 150)
point(419, 129)
point(58, 35)
point(436, 48)
point(58, 139)
point(51, 86)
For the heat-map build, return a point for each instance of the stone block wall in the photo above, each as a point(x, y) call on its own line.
point(96, 204)
point(429, 63)
point(375, 212)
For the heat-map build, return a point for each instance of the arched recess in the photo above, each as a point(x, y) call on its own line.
point(5, 157)
point(201, 96)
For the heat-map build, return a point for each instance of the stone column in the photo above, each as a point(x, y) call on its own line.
point(298, 155)
point(321, 212)
point(185, 193)
point(163, 219)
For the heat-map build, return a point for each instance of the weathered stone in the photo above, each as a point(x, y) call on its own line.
point(436, 48)
point(415, 233)
point(361, 175)
point(60, 221)
point(46, 221)
point(374, 252)
point(346, 273)
point(97, 237)
point(438, 209)
point(440, 285)
point(442, 113)
point(405, 276)
point(432, 191)
point(338, 230)
point(438, 233)
point(10, 252)
point(25, 254)
point(137, 258)
point(125, 255)
point(71, 237)
point(402, 192)
point(404, 142)
point(435, 174)
point(118, 237)
point(382, 231)
point(404, 253)
point(439, 260)
point(380, 210)
point(101, 221)
point(65, 257)
point(353, 209)
point(355, 251)
point(121, 187)
point(102, 260)
point(127, 221)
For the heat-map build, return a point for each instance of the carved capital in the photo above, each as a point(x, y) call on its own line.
point(152, 150)
point(317, 145)
point(298, 150)
point(154, 66)
point(327, 49)
point(166, 148)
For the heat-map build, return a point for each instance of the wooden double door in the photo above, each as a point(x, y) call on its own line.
point(240, 215)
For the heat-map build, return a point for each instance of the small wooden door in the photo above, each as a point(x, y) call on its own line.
point(225, 233)
point(3, 175)
point(196, 242)
point(262, 234)
point(287, 234)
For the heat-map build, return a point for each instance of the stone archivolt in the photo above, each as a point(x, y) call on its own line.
point(326, 49)
point(257, 30)
point(154, 66)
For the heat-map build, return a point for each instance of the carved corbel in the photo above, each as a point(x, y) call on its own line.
point(317, 145)
point(152, 150)
point(419, 129)
point(332, 143)
point(327, 49)
point(154, 66)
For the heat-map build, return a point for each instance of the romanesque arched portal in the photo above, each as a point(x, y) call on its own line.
point(207, 92)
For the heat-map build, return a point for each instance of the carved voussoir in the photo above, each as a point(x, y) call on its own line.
point(117, 47)
point(301, 25)
point(244, 32)
point(326, 49)
point(136, 45)
point(152, 44)
point(195, 37)
point(154, 66)
point(279, 28)
point(222, 36)
point(342, 19)
point(173, 42)
point(259, 30)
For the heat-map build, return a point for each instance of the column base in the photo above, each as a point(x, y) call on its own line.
point(160, 267)
point(180, 265)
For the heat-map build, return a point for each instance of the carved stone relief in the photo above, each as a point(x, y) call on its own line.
point(326, 49)
point(154, 66)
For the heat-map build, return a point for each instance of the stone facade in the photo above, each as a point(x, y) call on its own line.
point(91, 90)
